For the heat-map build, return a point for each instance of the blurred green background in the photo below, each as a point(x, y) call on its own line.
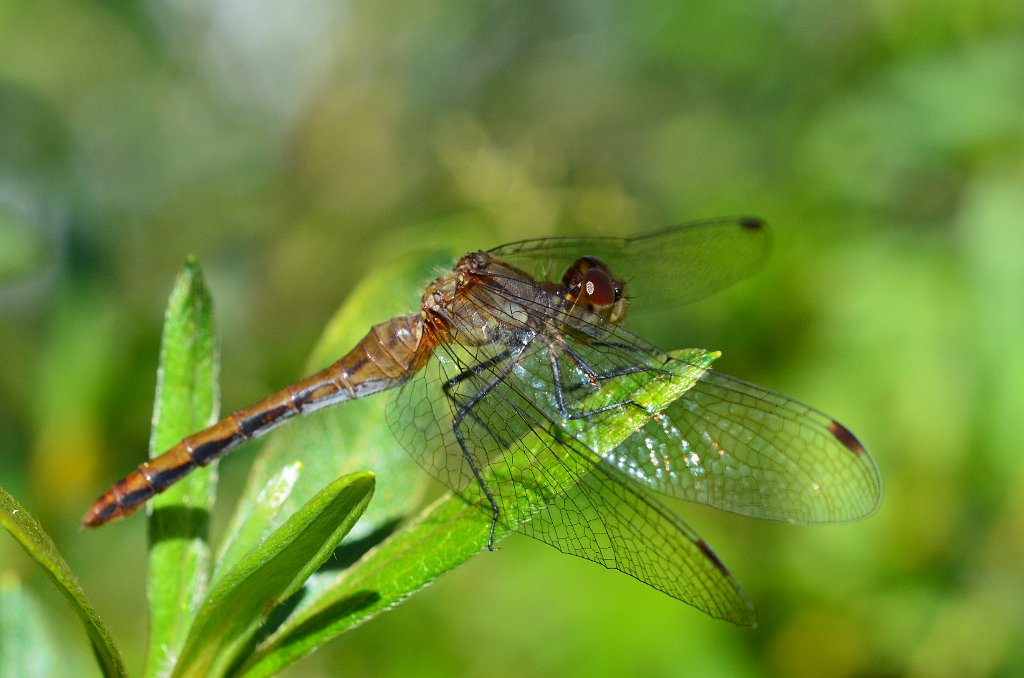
point(294, 146)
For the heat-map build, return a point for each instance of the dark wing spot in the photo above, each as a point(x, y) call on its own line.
point(753, 223)
point(706, 550)
point(847, 438)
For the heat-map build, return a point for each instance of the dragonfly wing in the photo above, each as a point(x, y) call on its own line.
point(480, 407)
point(736, 446)
point(725, 442)
point(607, 518)
point(670, 267)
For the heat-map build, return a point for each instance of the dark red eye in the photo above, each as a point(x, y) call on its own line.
point(598, 288)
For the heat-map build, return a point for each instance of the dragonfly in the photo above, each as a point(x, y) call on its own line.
point(520, 353)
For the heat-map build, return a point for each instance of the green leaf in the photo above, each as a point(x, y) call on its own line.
point(30, 534)
point(606, 431)
point(351, 437)
point(440, 538)
point(239, 603)
point(27, 645)
point(186, 402)
point(447, 534)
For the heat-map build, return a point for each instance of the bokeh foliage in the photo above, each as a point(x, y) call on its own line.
point(292, 147)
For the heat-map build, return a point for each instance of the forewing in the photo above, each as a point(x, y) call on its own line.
point(666, 268)
point(736, 446)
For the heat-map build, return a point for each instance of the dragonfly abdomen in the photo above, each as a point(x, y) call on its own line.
point(384, 358)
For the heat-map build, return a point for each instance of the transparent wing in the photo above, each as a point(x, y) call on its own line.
point(491, 409)
point(739, 447)
point(674, 266)
point(520, 418)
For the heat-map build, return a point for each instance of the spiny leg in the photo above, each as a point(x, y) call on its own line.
point(471, 371)
point(592, 374)
point(466, 409)
point(556, 344)
point(643, 353)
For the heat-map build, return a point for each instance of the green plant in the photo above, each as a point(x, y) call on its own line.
point(282, 583)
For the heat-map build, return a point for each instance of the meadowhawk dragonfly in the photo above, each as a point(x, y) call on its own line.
point(518, 352)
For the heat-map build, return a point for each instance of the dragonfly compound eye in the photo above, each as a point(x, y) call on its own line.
point(598, 288)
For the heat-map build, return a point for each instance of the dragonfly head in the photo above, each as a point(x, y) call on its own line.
point(589, 284)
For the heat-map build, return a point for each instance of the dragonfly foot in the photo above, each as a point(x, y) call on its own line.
point(490, 536)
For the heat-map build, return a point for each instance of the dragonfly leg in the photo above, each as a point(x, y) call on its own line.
point(471, 371)
point(466, 409)
point(594, 378)
point(495, 513)
point(592, 375)
point(628, 348)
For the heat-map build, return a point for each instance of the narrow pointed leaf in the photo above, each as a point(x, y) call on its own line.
point(443, 536)
point(240, 601)
point(38, 544)
point(186, 402)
